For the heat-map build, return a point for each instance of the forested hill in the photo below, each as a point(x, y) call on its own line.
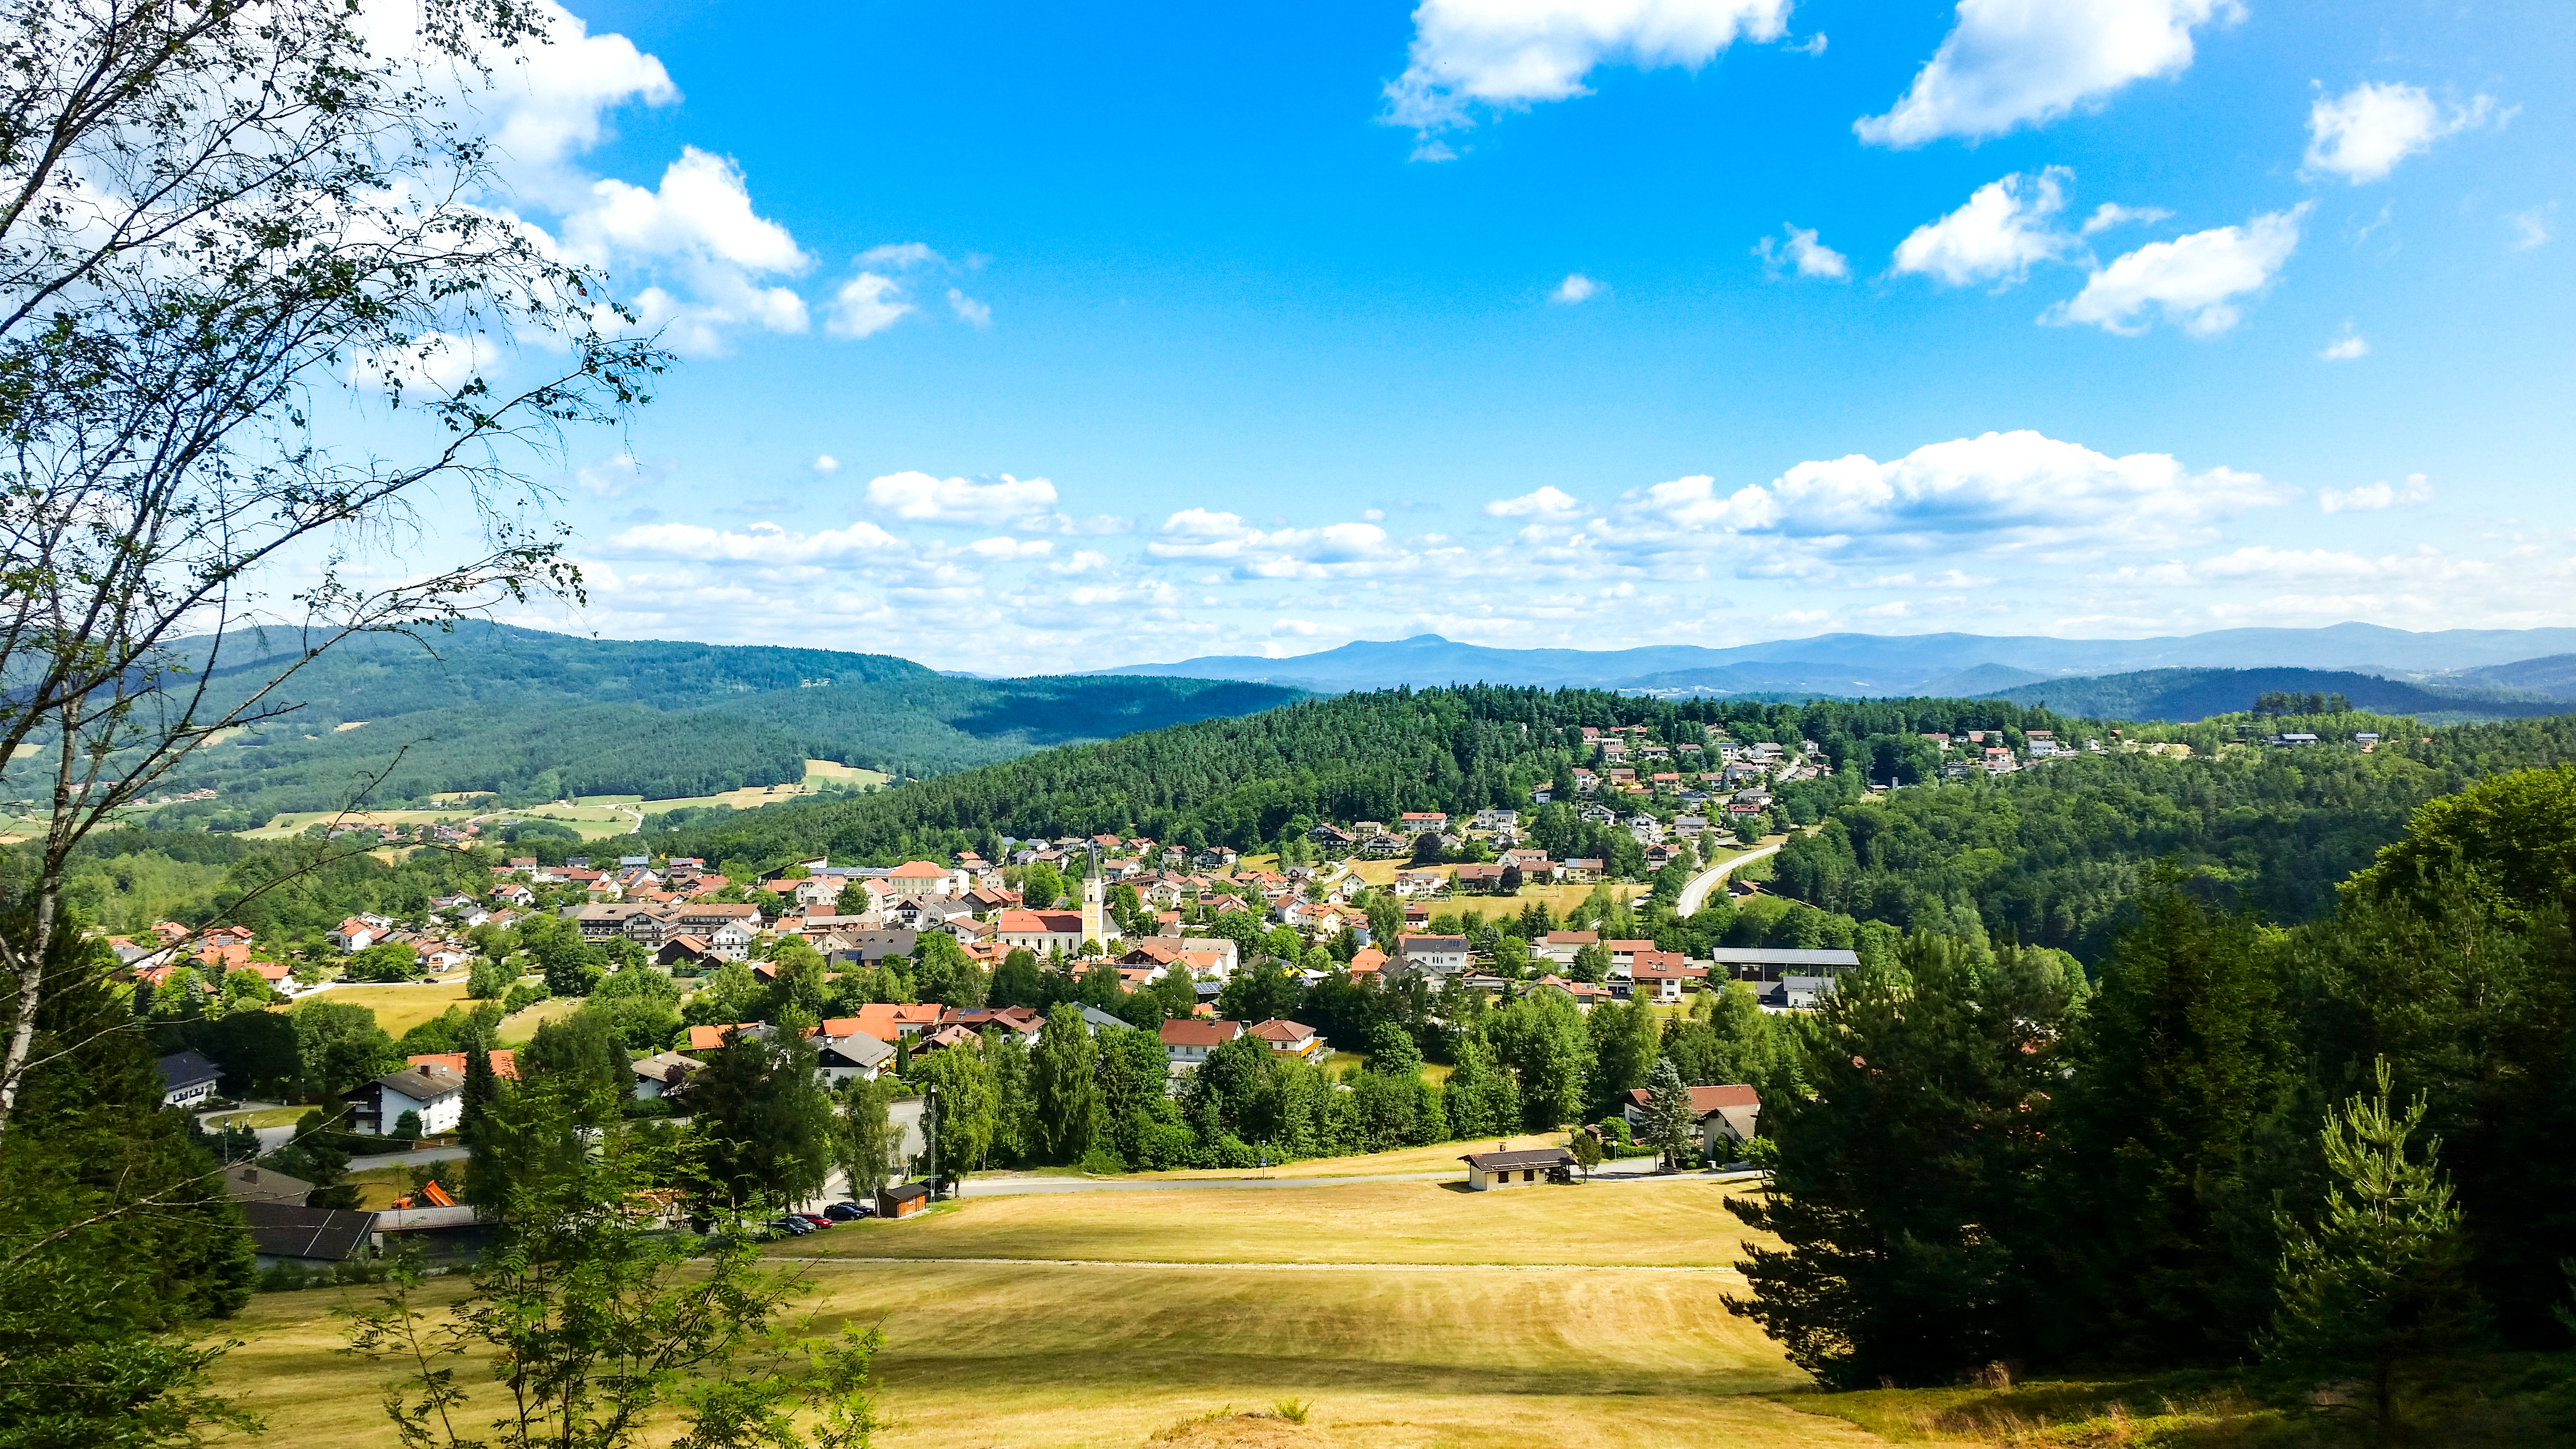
point(1356, 756)
point(534, 716)
point(2192, 694)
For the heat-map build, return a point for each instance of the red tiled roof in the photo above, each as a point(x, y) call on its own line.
point(1179, 1032)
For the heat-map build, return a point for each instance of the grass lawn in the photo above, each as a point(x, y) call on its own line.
point(1232, 1299)
point(519, 1029)
point(264, 1117)
point(399, 1008)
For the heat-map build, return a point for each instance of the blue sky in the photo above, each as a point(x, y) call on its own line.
point(1028, 337)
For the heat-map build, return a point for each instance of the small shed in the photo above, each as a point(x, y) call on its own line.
point(1489, 1170)
point(902, 1201)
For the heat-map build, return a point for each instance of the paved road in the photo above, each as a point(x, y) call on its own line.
point(1695, 894)
point(406, 1159)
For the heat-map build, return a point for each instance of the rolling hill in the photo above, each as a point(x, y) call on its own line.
point(2192, 694)
point(535, 716)
point(1868, 664)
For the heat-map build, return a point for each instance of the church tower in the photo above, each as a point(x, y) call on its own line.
point(1094, 904)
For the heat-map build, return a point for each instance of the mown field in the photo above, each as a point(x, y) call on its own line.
point(1405, 1314)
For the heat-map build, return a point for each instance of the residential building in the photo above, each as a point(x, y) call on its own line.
point(188, 1078)
point(1561, 946)
point(1436, 955)
point(1726, 1115)
point(1662, 975)
point(1290, 1038)
point(434, 1093)
point(837, 1059)
point(663, 1074)
point(1489, 1170)
point(1188, 1040)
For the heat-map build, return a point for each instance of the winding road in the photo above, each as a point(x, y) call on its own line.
point(1695, 894)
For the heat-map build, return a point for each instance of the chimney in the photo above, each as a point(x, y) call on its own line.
point(424, 1069)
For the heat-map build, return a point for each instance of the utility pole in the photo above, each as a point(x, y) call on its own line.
point(930, 1135)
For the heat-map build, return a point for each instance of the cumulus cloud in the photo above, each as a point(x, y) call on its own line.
point(1998, 493)
point(611, 477)
point(699, 229)
point(2111, 213)
point(2373, 497)
point(2346, 346)
point(920, 498)
point(825, 466)
point(2362, 134)
point(1812, 258)
point(1549, 500)
point(762, 543)
point(2192, 280)
point(1575, 288)
point(2014, 62)
point(880, 294)
point(2002, 230)
point(1334, 550)
point(1509, 54)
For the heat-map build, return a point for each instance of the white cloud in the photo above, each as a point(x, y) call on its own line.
point(611, 477)
point(1945, 579)
point(1303, 628)
point(1575, 288)
point(866, 305)
point(968, 310)
point(2373, 497)
point(699, 225)
point(435, 362)
point(1005, 549)
point(2191, 279)
point(2347, 345)
point(2362, 134)
point(1999, 233)
point(2011, 62)
point(825, 466)
point(1332, 551)
point(920, 498)
point(1084, 561)
point(764, 543)
point(1999, 493)
point(2532, 228)
point(1508, 54)
point(1811, 257)
point(2111, 213)
point(1549, 499)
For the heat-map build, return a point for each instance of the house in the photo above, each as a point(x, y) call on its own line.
point(839, 1058)
point(1793, 993)
point(249, 1182)
point(1583, 994)
point(943, 1038)
point(434, 1093)
point(705, 918)
point(357, 933)
point(902, 1201)
point(1040, 931)
point(867, 948)
point(1772, 963)
point(1725, 1114)
point(1662, 975)
point(1624, 954)
point(503, 1061)
point(1331, 837)
point(1580, 871)
point(1437, 955)
point(712, 1038)
point(1382, 846)
point(1414, 824)
point(1019, 1021)
point(1480, 879)
point(1290, 1038)
point(188, 1078)
point(1188, 1040)
point(605, 921)
point(887, 1020)
point(1561, 947)
point(1366, 963)
point(729, 942)
point(662, 1074)
point(687, 950)
point(1489, 1170)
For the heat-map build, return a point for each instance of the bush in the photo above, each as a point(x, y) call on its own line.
point(522, 996)
point(1101, 1162)
point(407, 1126)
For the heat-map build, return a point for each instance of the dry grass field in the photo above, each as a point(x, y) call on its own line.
point(1404, 1314)
point(399, 1008)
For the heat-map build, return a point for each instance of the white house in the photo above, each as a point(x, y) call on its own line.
point(839, 1058)
point(1187, 1040)
point(434, 1092)
point(188, 1078)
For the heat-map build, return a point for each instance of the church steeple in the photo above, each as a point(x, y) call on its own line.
point(1095, 925)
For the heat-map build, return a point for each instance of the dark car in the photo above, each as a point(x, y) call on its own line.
point(797, 1226)
point(848, 1212)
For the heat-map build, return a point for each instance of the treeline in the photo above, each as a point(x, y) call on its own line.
point(2338, 1147)
point(1243, 781)
point(2049, 856)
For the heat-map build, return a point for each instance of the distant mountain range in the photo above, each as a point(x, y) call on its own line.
point(2531, 660)
point(2190, 694)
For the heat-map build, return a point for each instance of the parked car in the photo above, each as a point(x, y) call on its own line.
point(849, 1212)
point(797, 1226)
point(812, 1220)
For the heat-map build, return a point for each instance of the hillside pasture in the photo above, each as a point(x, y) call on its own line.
point(1403, 1314)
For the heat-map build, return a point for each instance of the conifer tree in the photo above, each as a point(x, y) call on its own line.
point(1670, 1122)
point(2378, 1281)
